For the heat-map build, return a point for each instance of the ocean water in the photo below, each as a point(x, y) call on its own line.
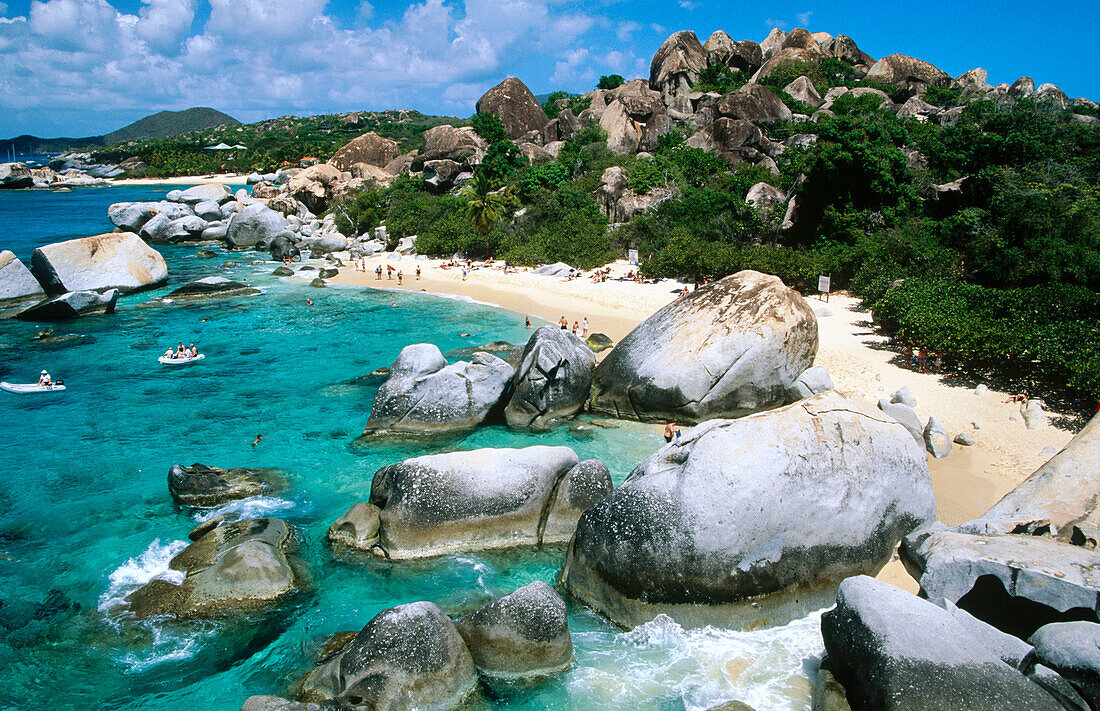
point(86, 517)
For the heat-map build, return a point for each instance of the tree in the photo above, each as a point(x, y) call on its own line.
point(483, 206)
point(610, 81)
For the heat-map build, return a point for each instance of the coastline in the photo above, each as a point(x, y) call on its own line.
point(966, 482)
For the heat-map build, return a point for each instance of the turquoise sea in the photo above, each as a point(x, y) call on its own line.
point(85, 513)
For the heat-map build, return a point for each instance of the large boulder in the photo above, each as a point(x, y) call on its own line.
point(676, 67)
point(282, 247)
point(725, 135)
point(1058, 500)
point(131, 216)
point(462, 145)
point(901, 69)
point(893, 651)
point(1016, 583)
point(617, 199)
point(523, 634)
point(844, 48)
point(315, 186)
point(765, 197)
point(802, 89)
point(754, 102)
point(14, 176)
point(732, 347)
point(17, 284)
point(624, 134)
point(370, 148)
point(424, 395)
point(71, 305)
point(811, 382)
point(1073, 650)
point(516, 106)
point(215, 192)
point(485, 498)
point(552, 379)
point(201, 486)
point(254, 224)
point(115, 260)
point(211, 287)
point(234, 568)
point(783, 504)
point(407, 657)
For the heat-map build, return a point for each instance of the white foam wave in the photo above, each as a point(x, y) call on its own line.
point(150, 565)
point(766, 669)
point(255, 507)
point(464, 299)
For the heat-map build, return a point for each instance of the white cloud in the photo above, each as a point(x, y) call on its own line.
point(804, 18)
point(775, 24)
point(659, 29)
point(164, 23)
point(625, 31)
point(3, 7)
point(689, 4)
point(83, 61)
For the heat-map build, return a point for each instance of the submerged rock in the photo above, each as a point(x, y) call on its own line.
point(728, 349)
point(896, 652)
point(212, 287)
point(784, 503)
point(205, 487)
point(407, 657)
point(523, 634)
point(424, 395)
point(485, 498)
point(552, 380)
point(115, 260)
point(358, 528)
point(239, 567)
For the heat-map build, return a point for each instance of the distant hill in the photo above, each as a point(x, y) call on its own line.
point(171, 123)
point(160, 125)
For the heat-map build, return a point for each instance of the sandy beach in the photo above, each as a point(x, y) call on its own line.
point(967, 482)
point(222, 178)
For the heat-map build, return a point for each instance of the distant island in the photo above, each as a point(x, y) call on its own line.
point(162, 124)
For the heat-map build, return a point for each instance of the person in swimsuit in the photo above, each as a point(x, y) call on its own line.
point(181, 352)
point(671, 432)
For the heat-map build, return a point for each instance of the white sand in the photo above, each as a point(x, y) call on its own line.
point(223, 178)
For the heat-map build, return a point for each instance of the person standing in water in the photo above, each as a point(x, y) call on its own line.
point(671, 432)
point(527, 321)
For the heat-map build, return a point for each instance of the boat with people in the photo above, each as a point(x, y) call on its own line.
point(45, 384)
point(181, 355)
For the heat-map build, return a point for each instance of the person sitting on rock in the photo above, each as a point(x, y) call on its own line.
point(45, 380)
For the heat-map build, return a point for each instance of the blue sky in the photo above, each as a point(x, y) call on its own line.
point(83, 67)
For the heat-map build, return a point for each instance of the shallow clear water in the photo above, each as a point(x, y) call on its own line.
point(85, 514)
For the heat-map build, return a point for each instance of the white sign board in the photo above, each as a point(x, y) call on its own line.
point(823, 284)
point(632, 256)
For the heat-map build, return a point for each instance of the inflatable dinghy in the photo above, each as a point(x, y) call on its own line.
point(181, 361)
point(23, 388)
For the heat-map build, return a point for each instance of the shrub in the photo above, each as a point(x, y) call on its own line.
point(490, 127)
point(501, 160)
point(610, 81)
point(360, 212)
point(721, 79)
point(942, 96)
point(550, 176)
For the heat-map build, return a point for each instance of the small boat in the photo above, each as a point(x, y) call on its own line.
point(181, 361)
point(23, 388)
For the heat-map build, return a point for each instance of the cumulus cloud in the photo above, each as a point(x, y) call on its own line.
point(76, 60)
point(164, 23)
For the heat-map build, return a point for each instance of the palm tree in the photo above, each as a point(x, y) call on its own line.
point(483, 206)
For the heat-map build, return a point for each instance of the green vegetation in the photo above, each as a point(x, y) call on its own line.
point(576, 104)
point(610, 81)
point(269, 144)
point(721, 79)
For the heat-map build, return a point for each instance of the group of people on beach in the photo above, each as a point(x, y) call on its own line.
point(390, 272)
point(580, 328)
point(922, 359)
point(181, 352)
